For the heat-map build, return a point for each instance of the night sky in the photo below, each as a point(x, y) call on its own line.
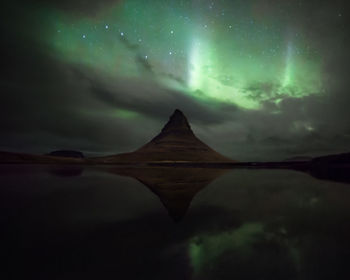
point(258, 80)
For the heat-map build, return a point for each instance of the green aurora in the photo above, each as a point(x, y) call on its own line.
point(220, 51)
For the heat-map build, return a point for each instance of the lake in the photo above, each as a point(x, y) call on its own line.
point(106, 222)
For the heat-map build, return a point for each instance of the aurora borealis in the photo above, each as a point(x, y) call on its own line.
point(256, 78)
point(206, 49)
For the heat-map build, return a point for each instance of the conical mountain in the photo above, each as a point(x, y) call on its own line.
point(175, 142)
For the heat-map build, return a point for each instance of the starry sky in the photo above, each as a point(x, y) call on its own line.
point(258, 80)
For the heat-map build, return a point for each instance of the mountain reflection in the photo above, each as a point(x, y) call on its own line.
point(175, 187)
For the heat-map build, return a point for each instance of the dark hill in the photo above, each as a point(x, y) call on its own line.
point(67, 153)
point(333, 159)
point(298, 159)
point(8, 157)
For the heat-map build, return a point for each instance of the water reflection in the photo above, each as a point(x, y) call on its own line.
point(176, 187)
point(65, 171)
point(337, 173)
point(239, 224)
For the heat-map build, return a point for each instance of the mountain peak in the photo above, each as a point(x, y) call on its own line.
point(177, 121)
point(178, 112)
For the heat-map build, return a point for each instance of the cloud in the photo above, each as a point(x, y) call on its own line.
point(144, 64)
point(77, 7)
point(128, 44)
point(262, 91)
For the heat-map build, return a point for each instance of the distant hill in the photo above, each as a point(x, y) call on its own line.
point(331, 167)
point(7, 157)
point(175, 142)
point(333, 159)
point(67, 153)
point(298, 158)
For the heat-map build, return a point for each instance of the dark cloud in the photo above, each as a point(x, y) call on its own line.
point(128, 44)
point(226, 80)
point(176, 78)
point(77, 7)
point(152, 100)
point(140, 59)
point(144, 63)
point(262, 91)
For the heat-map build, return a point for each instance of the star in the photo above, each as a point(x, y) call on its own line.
point(84, 36)
point(106, 26)
point(172, 31)
point(121, 33)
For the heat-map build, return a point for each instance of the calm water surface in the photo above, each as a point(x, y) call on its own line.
point(172, 223)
